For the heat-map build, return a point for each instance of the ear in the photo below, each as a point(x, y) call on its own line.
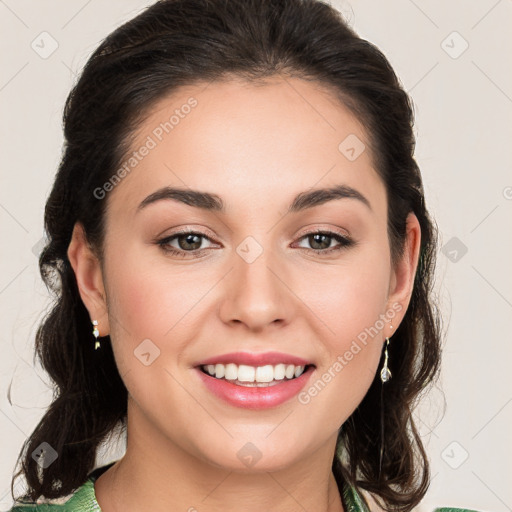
point(89, 278)
point(403, 274)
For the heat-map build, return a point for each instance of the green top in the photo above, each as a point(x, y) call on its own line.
point(84, 499)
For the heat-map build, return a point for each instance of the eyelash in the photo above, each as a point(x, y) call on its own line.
point(344, 243)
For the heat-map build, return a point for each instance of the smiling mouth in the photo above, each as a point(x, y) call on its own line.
point(251, 376)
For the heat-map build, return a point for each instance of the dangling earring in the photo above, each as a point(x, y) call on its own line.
point(96, 333)
point(385, 373)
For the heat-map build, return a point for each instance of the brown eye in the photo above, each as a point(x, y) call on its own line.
point(184, 244)
point(320, 242)
point(190, 241)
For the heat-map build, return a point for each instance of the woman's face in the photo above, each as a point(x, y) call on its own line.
point(248, 279)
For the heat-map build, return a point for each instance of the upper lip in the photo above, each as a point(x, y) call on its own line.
point(255, 359)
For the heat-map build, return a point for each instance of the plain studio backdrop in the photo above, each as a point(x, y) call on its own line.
point(453, 59)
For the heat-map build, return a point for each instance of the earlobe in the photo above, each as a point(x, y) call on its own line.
point(405, 270)
point(89, 278)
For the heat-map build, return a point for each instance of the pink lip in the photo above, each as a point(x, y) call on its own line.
point(252, 359)
point(254, 397)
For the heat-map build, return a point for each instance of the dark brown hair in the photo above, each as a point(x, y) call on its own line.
point(183, 42)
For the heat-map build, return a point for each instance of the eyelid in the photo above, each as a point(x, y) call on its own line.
point(186, 231)
point(190, 228)
point(324, 229)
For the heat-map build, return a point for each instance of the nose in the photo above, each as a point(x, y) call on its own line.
point(256, 294)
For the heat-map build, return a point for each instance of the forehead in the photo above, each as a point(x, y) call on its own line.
point(246, 141)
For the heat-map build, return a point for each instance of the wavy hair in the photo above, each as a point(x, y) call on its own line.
point(181, 42)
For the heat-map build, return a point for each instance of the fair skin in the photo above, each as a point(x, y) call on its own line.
point(256, 147)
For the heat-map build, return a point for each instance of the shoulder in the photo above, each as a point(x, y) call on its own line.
point(453, 509)
point(83, 499)
point(361, 501)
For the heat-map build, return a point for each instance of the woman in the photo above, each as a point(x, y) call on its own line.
point(242, 260)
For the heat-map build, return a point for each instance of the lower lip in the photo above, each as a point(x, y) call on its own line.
point(254, 397)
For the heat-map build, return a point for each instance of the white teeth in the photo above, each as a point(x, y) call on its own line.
point(265, 373)
point(230, 371)
point(279, 371)
point(260, 374)
point(246, 373)
point(219, 370)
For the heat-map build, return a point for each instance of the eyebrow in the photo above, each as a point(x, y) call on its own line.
point(212, 202)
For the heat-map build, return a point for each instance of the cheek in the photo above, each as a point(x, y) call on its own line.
point(349, 303)
point(350, 298)
point(159, 308)
point(154, 318)
point(347, 370)
point(151, 295)
point(148, 302)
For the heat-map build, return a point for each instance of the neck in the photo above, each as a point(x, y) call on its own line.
point(156, 474)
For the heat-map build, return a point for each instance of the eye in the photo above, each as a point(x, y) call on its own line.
point(321, 241)
point(187, 242)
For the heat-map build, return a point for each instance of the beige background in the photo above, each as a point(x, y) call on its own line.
point(463, 102)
